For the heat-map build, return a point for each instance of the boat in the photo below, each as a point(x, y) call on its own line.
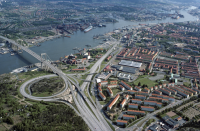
point(12, 53)
point(88, 29)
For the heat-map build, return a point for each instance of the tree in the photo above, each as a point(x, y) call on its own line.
point(139, 84)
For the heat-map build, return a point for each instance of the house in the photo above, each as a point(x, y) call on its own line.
point(123, 103)
point(135, 112)
point(79, 69)
point(138, 101)
point(128, 117)
point(140, 97)
point(113, 102)
point(147, 108)
point(109, 91)
point(103, 97)
point(126, 85)
point(179, 118)
point(121, 122)
point(121, 87)
point(130, 105)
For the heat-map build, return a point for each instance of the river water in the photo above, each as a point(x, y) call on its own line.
point(64, 46)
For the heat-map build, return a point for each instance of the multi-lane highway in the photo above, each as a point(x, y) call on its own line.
point(94, 118)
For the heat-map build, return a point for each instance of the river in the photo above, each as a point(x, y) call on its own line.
point(64, 46)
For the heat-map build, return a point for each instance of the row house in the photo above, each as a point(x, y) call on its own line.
point(140, 97)
point(147, 108)
point(113, 102)
point(196, 89)
point(142, 93)
point(104, 83)
point(121, 122)
point(127, 97)
point(112, 85)
point(137, 88)
point(188, 89)
point(158, 92)
point(181, 92)
point(146, 90)
point(132, 92)
point(103, 97)
point(171, 90)
point(164, 85)
point(138, 101)
point(109, 91)
point(165, 100)
point(123, 103)
point(155, 99)
point(170, 84)
point(121, 87)
point(159, 86)
point(126, 85)
point(151, 88)
point(135, 112)
point(131, 105)
point(155, 87)
point(99, 89)
point(152, 103)
point(165, 92)
point(128, 117)
point(113, 82)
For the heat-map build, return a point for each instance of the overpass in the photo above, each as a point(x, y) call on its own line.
point(92, 121)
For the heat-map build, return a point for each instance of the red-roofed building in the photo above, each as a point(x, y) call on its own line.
point(109, 107)
point(103, 97)
point(128, 117)
point(121, 122)
point(147, 108)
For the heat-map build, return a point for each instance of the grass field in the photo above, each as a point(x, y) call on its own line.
point(145, 81)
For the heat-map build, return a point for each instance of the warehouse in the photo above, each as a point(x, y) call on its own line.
point(130, 63)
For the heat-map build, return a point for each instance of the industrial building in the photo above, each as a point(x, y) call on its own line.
point(130, 63)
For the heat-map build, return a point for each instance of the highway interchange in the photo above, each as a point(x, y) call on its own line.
point(95, 122)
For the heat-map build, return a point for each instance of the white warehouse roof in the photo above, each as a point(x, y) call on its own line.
point(130, 63)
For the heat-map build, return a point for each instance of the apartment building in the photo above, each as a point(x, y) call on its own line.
point(109, 91)
point(103, 97)
point(131, 105)
point(109, 107)
point(126, 85)
point(147, 108)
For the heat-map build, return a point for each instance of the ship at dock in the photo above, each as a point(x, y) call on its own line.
point(88, 29)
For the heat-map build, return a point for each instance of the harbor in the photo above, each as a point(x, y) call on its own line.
point(59, 47)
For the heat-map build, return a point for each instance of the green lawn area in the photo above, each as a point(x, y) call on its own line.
point(44, 94)
point(173, 117)
point(115, 91)
point(163, 115)
point(131, 124)
point(145, 81)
